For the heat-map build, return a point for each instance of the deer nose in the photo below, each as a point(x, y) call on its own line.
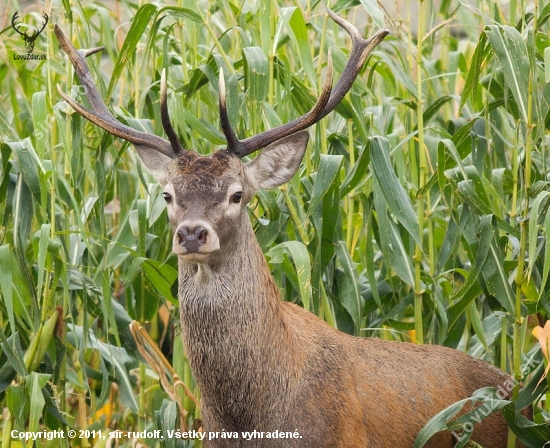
point(192, 238)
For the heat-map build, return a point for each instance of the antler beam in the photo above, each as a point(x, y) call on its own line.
point(237, 147)
point(361, 49)
point(101, 116)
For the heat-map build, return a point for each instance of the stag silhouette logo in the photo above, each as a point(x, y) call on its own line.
point(29, 39)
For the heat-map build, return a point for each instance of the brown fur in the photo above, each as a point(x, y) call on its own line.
point(266, 365)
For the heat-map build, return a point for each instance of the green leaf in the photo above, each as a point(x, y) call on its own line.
point(186, 13)
point(266, 25)
point(462, 298)
point(357, 172)
point(490, 403)
point(399, 73)
point(139, 24)
point(512, 54)
point(479, 59)
point(329, 166)
point(29, 165)
point(168, 421)
point(206, 130)
point(546, 265)
point(531, 434)
point(533, 231)
point(547, 64)
point(33, 385)
point(16, 399)
point(302, 265)
point(533, 366)
point(36, 351)
point(40, 122)
point(6, 281)
point(142, 300)
point(392, 246)
point(297, 30)
point(256, 83)
point(433, 108)
point(477, 325)
point(373, 10)
point(474, 194)
point(44, 239)
point(348, 287)
point(496, 278)
point(438, 423)
point(12, 349)
point(117, 357)
point(399, 202)
point(161, 276)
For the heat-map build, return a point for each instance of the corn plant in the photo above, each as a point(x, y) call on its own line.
point(419, 214)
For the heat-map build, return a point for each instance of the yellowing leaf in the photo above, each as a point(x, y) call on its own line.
point(543, 335)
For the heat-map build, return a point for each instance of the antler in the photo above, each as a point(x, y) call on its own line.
point(165, 118)
point(328, 100)
point(101, 116)
point(361, 49)
point(239, 148)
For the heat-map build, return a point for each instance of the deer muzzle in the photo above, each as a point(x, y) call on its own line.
point(195, 238)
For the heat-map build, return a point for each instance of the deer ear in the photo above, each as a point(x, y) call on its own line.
point(156, 162)
point(278, 162)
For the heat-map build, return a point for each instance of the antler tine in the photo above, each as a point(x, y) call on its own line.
point(361, 49)
point(244, 147)
point(100, 115)
point(232, 140)
point(165, 117)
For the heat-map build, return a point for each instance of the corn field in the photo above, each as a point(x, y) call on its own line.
point(419, 212)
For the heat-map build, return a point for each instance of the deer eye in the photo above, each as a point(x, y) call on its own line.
point(237, 197)
point(167, 197)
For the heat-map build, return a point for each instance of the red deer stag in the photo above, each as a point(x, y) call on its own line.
point(263, 364)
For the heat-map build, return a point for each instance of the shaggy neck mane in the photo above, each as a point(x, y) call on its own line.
point(233, 324)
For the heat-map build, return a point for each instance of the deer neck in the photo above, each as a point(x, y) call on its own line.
point(236, 280)
point(232, 324)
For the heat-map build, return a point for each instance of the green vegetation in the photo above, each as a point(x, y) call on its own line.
point(419, 213)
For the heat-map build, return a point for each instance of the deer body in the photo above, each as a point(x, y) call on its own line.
point(263, 364)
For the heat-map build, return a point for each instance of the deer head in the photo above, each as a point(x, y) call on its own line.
point(29, 40)
point(221, 180)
